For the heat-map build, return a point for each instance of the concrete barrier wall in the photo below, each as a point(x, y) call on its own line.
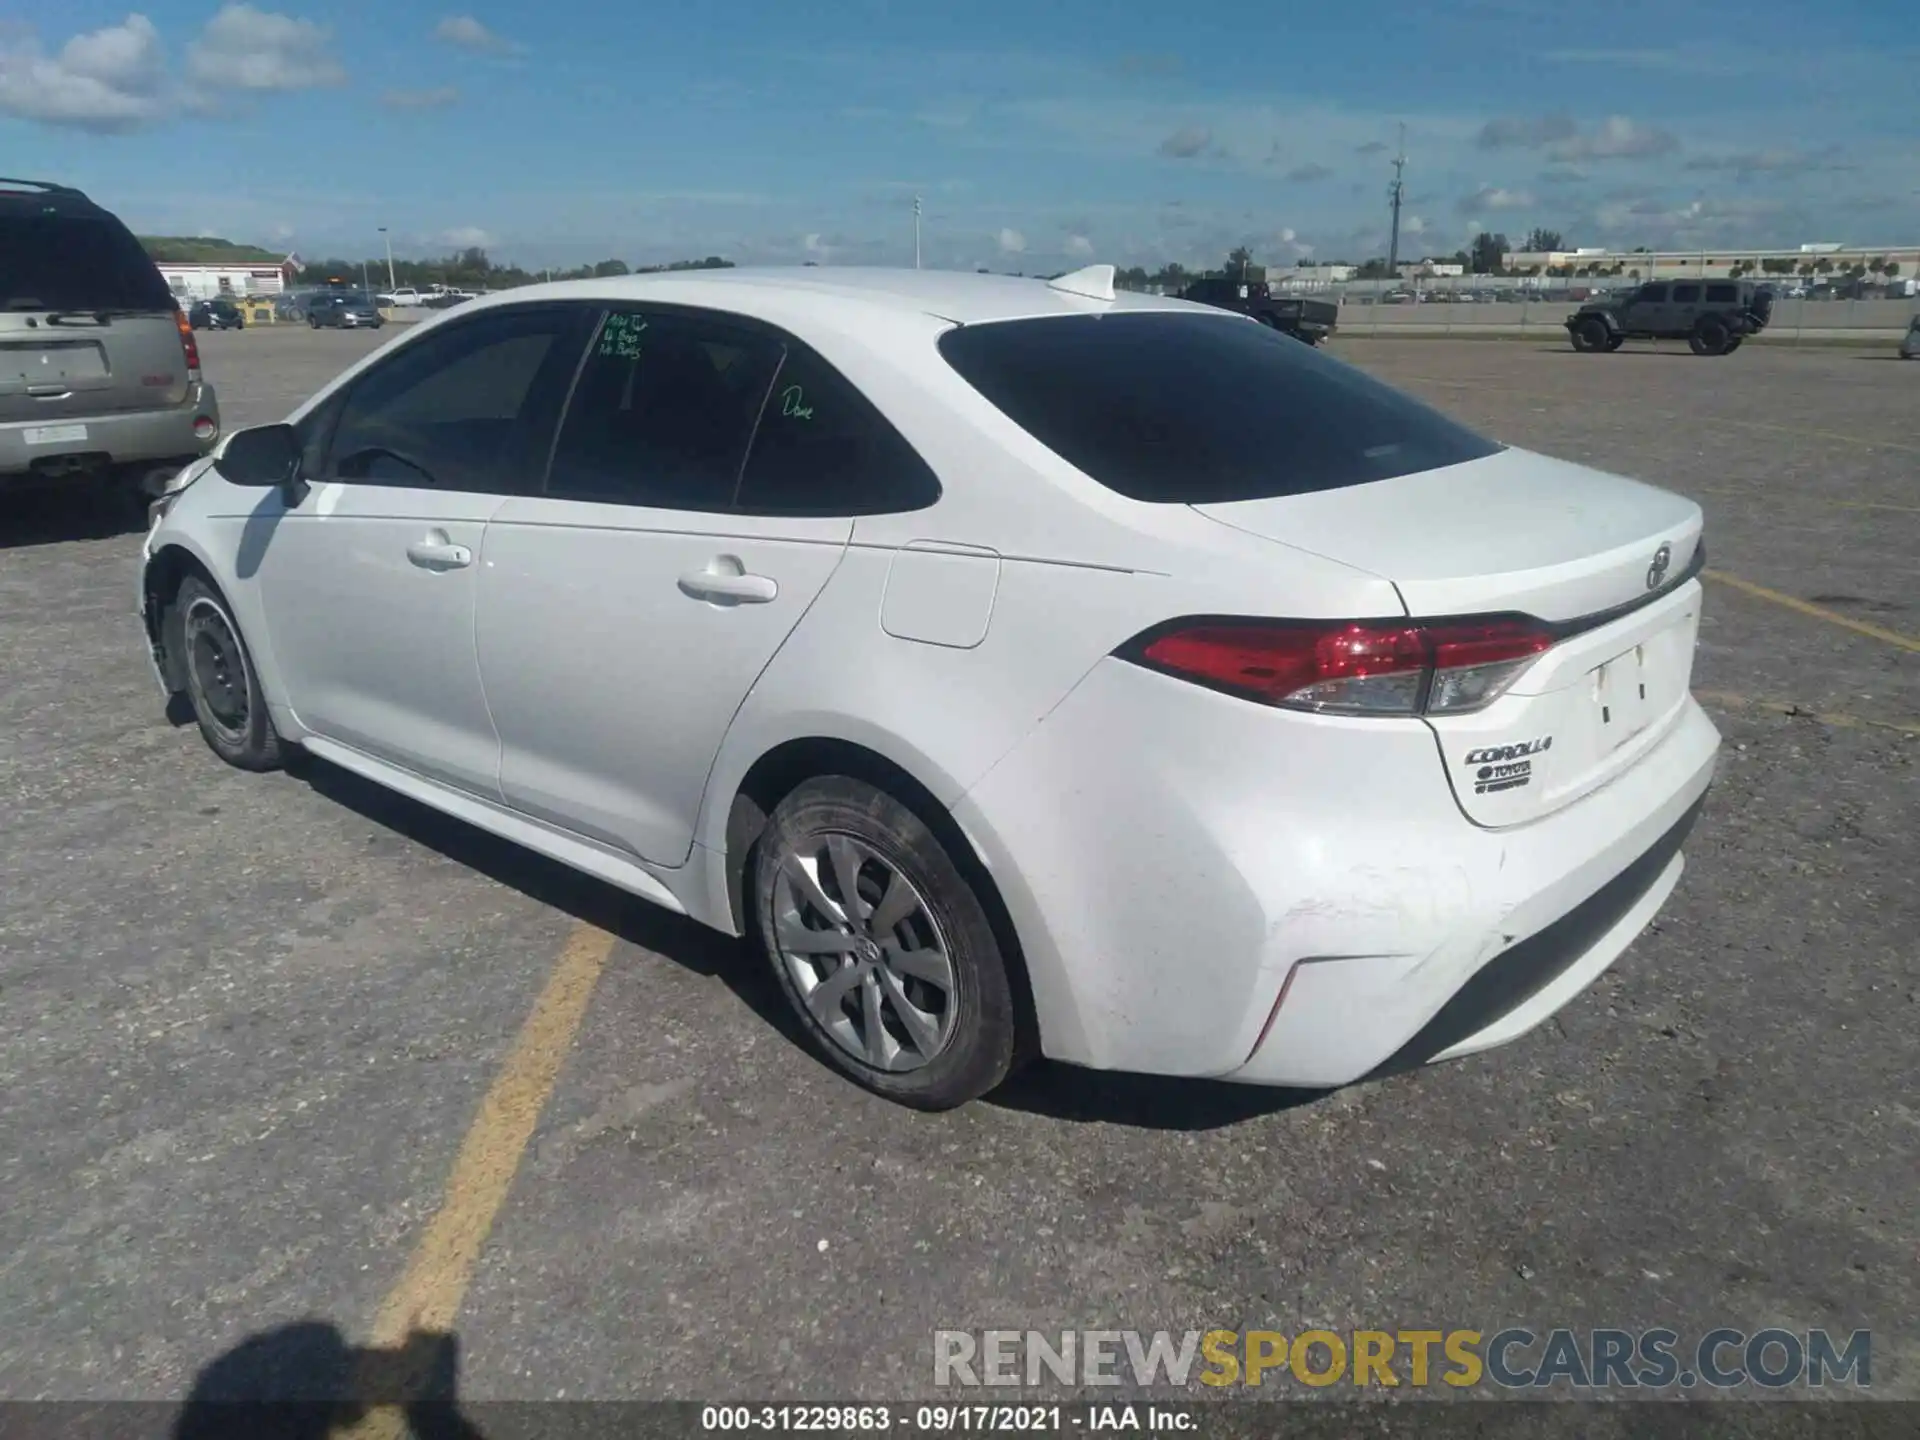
point(1817, 319)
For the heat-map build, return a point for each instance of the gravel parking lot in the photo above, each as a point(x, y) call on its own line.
point(249, 1022)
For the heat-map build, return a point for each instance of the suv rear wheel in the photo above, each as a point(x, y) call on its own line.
point(1710, 336)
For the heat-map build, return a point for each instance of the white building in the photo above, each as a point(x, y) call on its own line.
point(210, 280)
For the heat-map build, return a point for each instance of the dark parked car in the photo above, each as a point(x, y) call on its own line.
point(99, 372)
point(1713, 316)
point(216, 315)
point(1304, 319)
point(344, 310)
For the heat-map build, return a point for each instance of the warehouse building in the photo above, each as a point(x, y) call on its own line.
point(208, 280)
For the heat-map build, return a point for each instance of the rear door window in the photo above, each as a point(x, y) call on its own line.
point(63, 261)
point(1686, 294)
point(1722, 294)
point(1196, 409)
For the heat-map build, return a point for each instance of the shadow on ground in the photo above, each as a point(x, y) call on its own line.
point(55, 514)
point(685, 942)
point(303, 1381)
point(1141, 1102)
point(1059, 1092)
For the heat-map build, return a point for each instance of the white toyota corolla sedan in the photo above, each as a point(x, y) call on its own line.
point(1027, 668)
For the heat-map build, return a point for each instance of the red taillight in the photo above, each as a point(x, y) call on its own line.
point(1356, 668)
point(188, 343)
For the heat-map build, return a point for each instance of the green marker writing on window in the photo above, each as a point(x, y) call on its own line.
point(620, 336)
point(791, 404)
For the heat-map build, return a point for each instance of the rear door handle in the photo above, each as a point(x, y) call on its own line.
point(720, 585)
point(436, 552)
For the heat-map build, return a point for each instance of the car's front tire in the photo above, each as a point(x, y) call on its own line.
point(882, 946)
point(1590, 335)
point(222, 686)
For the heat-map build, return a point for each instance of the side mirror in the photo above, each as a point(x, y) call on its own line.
point(263, 456)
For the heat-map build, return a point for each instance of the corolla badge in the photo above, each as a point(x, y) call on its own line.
point(1657, 571)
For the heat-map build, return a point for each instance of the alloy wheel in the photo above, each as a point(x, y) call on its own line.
point(864, 950)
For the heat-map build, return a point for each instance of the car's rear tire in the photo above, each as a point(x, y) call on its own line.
point(222, 686)
point(1734, 344)
point(1710, 336)
point(918, 1007)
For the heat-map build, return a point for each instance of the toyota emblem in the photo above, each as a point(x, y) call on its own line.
point(1657, 571)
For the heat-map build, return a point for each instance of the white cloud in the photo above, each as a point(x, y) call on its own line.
point(463, 237)
point(1618, 138)
point(1413, 225)
point(107, 80)
point(1286, 237)
point(437, 97)
point(247, 49)
point(1012, 242)
point(1186, 142)
point(1492, 197)
point(469, 34)
point(1079, 246)
point(1525, 131)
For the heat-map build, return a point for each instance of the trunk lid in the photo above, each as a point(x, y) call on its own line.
point(83, 366)
point(1597, 556)
point(1512, 532)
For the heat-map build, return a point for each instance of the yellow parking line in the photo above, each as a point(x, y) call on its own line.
point(1818, 612)
point(427, 1298)
point(1728, 700)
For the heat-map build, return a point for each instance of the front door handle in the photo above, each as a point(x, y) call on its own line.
point(437, 552)
point(726, 581)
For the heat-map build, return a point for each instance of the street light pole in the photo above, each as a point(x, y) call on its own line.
point(392, 284)
point(916, 232)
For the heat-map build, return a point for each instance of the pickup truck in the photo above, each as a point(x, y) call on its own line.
point(1296, 315)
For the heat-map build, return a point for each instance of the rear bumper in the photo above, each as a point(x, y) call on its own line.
point(135, 437)
point(1206, 887)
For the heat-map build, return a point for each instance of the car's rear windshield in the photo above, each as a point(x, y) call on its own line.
point(1189, 409)
point(75, 262)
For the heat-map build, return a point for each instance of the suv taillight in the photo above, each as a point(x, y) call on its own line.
point(1349, 668)
point(187, 343)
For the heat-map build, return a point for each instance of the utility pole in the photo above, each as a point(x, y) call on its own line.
point(916, 232)
point(1394, 193)
point(391, 282)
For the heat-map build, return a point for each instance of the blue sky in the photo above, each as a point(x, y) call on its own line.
point(562, 131)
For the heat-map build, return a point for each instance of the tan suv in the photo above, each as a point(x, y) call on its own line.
point(99, 372)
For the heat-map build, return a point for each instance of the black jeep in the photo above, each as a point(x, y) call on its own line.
point(1304, 319)
point(1713, 316)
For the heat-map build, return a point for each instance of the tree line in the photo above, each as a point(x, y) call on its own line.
point(473, 269)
